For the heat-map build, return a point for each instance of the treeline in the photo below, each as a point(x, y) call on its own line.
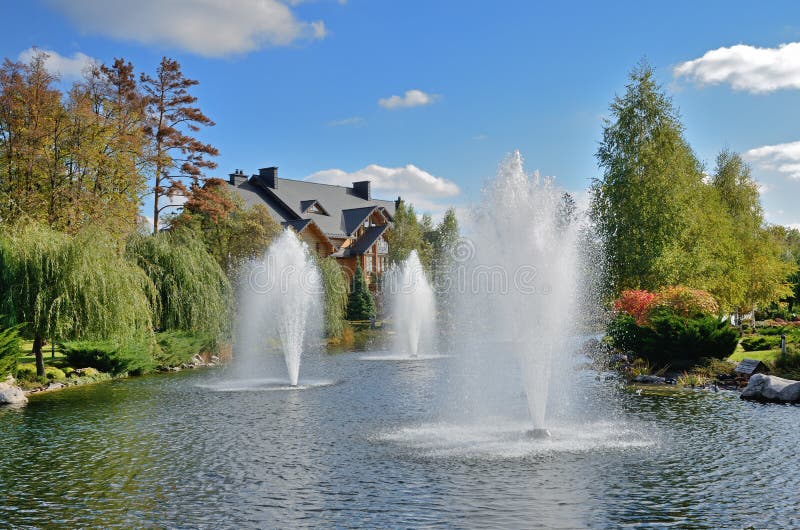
point(434, 244)
point(78, 263)
point(664, 220)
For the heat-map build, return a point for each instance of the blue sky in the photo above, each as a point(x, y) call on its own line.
point(308, 85)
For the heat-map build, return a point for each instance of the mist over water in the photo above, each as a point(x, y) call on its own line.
point(280, 311)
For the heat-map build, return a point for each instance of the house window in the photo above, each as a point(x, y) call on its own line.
point(382, 247)
point(368, 264)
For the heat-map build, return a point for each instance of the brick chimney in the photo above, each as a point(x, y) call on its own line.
point(237, 177)
point(362, 190)
point(268, 177)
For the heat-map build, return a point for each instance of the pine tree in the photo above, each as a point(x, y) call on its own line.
point(173, 121)
point(360, 305)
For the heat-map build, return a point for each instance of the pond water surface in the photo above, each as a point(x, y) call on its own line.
point(367, 449)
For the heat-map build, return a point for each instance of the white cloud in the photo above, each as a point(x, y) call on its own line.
point(426, 192)
point(412, 98)
point(757, 70)
point(66, 67)
point(480, 137)
point(783, 158)
point(212, 28)
point(355, 121)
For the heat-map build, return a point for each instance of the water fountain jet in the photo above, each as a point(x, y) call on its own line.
point(517, 298)
point(413, 306)
point(280, 307)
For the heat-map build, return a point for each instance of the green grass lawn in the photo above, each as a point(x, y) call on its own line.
point(26, 348)
point(763, 355)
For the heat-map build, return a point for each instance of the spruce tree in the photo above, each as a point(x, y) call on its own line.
point(360, 305)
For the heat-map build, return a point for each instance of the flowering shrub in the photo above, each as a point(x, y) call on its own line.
point(636, 303)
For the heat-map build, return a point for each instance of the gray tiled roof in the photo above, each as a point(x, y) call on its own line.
point(286, 201)
point(353, 218)
point(297, 224)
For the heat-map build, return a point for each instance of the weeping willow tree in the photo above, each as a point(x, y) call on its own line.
point(64, 288)
point(334, 282)
point(192, 292)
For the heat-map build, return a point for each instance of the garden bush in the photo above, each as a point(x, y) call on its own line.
point(760, 342)
point(677, 300)
point(685, 302)
point(178, 347)
point(671, 339)
point(52, 373)
point(26, 372)
point(132, 357)
point(787, 364)
point(636, 303)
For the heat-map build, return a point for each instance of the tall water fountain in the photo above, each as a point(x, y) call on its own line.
point(413, 307)
point(280, 308)
point(516, 281)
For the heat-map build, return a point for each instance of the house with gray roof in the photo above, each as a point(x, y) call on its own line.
point(340, 221)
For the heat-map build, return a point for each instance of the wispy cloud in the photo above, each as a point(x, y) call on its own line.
point(354, 121)
point(748, 68)
point(66, 67)
point(428, 193)
point(480, 137)
point(412, 98)
point(205, 27)
point(783, 158)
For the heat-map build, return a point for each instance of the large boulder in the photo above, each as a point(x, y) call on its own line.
point(762, 387)
point(11, 394)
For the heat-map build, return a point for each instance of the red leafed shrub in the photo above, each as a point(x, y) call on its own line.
point(686, 302)
point(636, 303)
point(679, 300)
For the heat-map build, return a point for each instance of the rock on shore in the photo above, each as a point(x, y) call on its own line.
point(11, 394)
point(762, 387)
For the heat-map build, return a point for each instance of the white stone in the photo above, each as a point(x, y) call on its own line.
point(762, 387)
point(11, 394)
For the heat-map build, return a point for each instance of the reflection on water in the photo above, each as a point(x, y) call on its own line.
point(169, 451)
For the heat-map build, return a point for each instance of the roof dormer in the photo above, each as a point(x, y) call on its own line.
point(312, 206)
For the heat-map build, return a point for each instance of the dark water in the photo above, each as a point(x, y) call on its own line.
point(368, 451)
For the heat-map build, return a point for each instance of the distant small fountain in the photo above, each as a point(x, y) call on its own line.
point(280, 308)
point(413, 307)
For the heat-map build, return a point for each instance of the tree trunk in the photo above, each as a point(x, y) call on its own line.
point(155, 208)
point(38, 342)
